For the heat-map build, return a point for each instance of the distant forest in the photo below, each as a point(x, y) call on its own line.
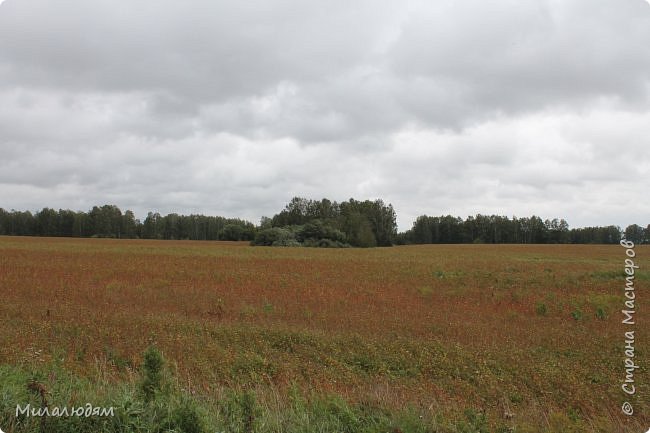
point(317, 223)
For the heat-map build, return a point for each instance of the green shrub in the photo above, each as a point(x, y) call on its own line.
point(286, 243)
point(270, 236)
point(152, 373)
point(240, 412)
point(324, 243)
point(187, 419)
point(576, 314)
point(316, 229)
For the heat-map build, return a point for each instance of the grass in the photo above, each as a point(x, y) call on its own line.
point(445, 338)
point(134, 408)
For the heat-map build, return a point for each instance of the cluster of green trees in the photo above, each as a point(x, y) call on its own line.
point(110, 222)
point(307, 222)
point(495, 229)
point(325, 223)
point(637, 234)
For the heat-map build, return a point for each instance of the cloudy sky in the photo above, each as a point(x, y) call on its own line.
point(231, 108)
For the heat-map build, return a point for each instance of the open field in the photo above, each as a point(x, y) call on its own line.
point(524, 337)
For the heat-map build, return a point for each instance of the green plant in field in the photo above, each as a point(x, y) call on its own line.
point(268, 307)
point(601, 313)
point(365, 362)
point(476, 422)
point(541, 309)
point(560, 422)
point(80, 353)
point(187, 419)
point(251, 366)
point(608, 275)
point(576, 314)
point(240, 412)
point(116, 358)
point(247, 311)
point(152, 373)
point(248, 411)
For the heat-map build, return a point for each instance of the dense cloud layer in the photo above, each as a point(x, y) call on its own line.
point(232, 108)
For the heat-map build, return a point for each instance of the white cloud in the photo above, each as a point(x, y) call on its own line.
point(232, 108)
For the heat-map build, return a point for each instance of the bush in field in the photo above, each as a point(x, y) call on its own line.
point(286, 243)
point(318, 230)
point(576, 314)
point(312, 234)
point(324, 243)
point(240, 412)
point(268, 237)
point(152, 374)
point(187, 419)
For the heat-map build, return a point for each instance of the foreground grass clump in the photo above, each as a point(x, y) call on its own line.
point(139, 405)
point(154, 402)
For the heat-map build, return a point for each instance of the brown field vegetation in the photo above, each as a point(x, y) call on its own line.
point(526, 334)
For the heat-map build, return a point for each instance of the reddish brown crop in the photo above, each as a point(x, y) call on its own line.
point(522, 332)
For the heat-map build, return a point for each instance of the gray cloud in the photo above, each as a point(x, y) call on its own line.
point(232, 108)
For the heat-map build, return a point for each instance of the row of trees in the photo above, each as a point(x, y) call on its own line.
point(327, 223)
point(314, 223)
point(109, 221)
point(495, 229)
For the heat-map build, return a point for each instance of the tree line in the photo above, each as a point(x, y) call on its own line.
point(495, 229)
point(307, 222)
point(109, 221)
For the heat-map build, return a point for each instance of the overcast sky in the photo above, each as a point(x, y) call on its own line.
point(233, 107)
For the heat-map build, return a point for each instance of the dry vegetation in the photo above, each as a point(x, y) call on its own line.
point(529, 336)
